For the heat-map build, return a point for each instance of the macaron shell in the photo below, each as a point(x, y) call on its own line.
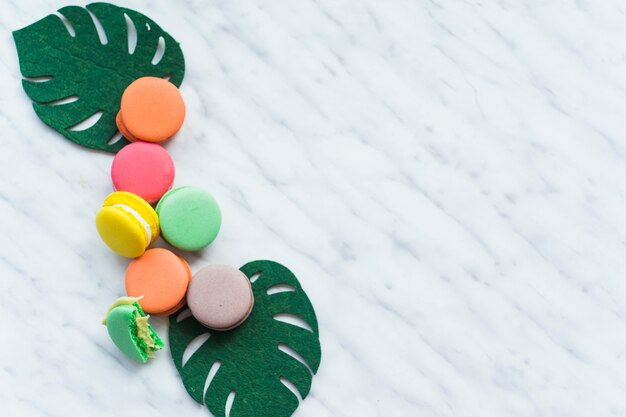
point(141, 206)
point(152, 110)
point(144, 169)
point(184, 300)
point(190, 218)
point(243, 318)
point(121, 232)
point(173, 310)
point(119, 326)
point(220, 297)
point(161, 277)
point(122, 128)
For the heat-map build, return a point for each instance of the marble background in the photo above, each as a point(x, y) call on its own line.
point(447, 179)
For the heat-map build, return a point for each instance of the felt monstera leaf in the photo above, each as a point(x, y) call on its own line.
point(255, 358)
point(78, 62)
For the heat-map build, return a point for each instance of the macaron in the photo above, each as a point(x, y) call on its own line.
point(127, 223)
point(130, 331)
point(145, 169)
point(220, 297)
point(161, 278)
point(190, 218)
point(152, 110)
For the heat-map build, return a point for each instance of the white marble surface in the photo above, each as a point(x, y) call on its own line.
point(447, 179)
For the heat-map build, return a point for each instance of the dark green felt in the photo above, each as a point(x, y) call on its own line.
point(251, 363)
point(81, 66)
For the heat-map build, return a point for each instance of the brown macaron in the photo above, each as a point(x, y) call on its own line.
point(220, 297)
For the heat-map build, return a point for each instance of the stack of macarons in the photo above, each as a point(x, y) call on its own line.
point(144, 207)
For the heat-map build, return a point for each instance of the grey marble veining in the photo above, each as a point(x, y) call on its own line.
point(446, 178)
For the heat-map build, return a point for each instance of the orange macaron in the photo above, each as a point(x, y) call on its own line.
point(161, 278)
point(152, 110)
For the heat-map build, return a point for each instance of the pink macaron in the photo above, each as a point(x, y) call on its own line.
point(220, 297)
point(145, 169)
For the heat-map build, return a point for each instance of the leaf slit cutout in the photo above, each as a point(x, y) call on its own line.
point(229, 402)
point(40, 79)
point(289, 351)
point(101, 33)
point(167, 77)
point(87, 123)
point(68, 25)
point(277, 289)
point(291, 387)
point(131, 32)
point(115, 138)
point(293, 320)
point(254, 277)
point(185, 314)
point(194, 345)
point(160, 51)
point(62, 101)
point(209, 378)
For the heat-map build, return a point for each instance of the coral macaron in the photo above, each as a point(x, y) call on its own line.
point(152, 110)
point(161, 278)
point(127, 224)
point(144, 169)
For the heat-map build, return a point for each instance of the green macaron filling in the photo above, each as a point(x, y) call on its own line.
point(146, 338)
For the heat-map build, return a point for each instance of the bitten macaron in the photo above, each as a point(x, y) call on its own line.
point(220, 297)
point(129, 330)
point(152, 110)
point(127, 223)
point(190, 218)
point(161, 278)
point(145, 169)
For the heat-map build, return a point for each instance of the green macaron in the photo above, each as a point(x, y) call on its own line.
point(190, 218)
point(128, 327)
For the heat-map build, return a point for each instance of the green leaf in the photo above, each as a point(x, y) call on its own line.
point(252, 364)
point(72, 78)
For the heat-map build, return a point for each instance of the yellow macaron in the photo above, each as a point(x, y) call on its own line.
point(127, 224)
